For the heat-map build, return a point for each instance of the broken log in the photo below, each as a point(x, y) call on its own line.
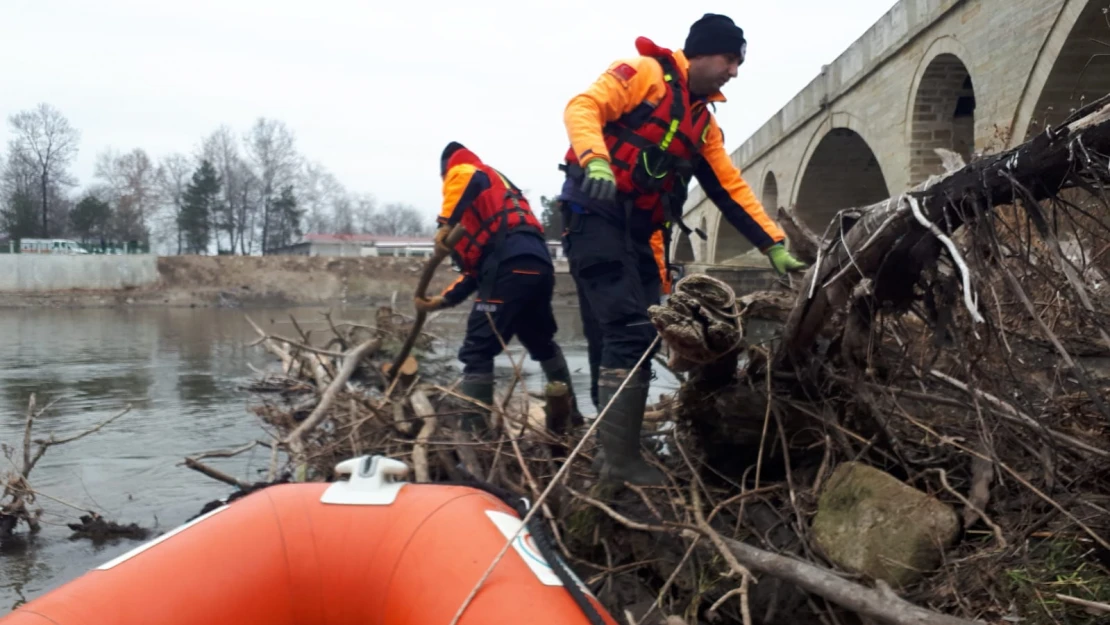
point(423, 409)
point(803, 241)
point(557, 415)
point(406, 374)
point(880, 603)
point(215, 474)
point(400, 421)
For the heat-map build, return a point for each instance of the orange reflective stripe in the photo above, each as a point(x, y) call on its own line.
point(657, 248)
point(454, 284)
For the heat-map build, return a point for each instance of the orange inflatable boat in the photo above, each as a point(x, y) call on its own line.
point(369, 550)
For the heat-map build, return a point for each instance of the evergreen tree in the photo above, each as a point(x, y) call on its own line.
point(90, 218)
point(19, 216)
point(551, 218)
point(200, 205)
point(285, 219)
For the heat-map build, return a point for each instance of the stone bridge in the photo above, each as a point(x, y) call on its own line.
point(972, 76)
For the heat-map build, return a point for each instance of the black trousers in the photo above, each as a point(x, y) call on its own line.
point(617, 279)
point(520, 306)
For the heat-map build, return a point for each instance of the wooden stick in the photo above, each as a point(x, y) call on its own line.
point(1090, 605)
point(1014, 415)
point(880, 603)
point(50, 442)
point(284, 356)
point(423, 409)
point(215, 474)
point(402, 424)
point(453, 237)
point(295, 439)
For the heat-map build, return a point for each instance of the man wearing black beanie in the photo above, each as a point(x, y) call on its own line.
point(638, 135)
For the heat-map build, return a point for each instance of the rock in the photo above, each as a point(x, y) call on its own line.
point(871, 523)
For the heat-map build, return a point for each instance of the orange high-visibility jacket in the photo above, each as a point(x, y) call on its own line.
point(484, 201)
point(661, 259)
point(632, 82)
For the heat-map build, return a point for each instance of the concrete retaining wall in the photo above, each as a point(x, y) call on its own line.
point(33, 272)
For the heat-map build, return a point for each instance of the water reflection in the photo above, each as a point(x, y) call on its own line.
point(182, 370)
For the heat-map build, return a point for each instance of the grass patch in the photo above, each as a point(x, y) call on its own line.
point(1058, 566)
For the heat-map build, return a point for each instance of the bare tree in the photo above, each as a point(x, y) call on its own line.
point(248, 204)
point(19, 216)
point(174, 173)
point(272, 149)
point(316, 185)
point(133, 182)
point(44, 137)
point(400, 220)
point(221, 149)
point(363, 212)
point(20, 175)
point(344, 221)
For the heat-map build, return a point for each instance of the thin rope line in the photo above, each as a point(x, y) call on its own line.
point(555, 480)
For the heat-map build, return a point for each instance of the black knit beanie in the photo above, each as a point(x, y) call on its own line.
point(448, 151)
point(715, 34)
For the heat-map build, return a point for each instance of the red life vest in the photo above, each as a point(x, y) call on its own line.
point(654, 147)
point(494, 213)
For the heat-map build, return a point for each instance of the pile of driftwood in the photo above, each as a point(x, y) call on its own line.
point(947, 348)
point(19, 507)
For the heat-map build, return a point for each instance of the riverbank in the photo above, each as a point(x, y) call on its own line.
point(223, 281)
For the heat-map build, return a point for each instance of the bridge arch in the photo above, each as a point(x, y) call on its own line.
point(839, 170)
point(1056, 86)
point(701, 247)
point(940, 109)
point(727, 241)
point(682, 248)
point(769, 194)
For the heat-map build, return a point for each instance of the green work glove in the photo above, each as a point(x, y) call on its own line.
point(600, 183)
point(782, 261)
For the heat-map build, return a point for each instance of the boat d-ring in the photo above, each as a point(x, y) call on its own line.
point(373, 481)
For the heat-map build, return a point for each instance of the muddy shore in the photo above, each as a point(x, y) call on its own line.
point(261, 281)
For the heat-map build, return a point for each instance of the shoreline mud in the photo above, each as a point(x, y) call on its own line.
point(258, 282)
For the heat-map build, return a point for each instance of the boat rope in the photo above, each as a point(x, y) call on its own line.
point(559, 475)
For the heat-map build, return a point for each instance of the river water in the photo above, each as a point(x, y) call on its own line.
point(182, 371)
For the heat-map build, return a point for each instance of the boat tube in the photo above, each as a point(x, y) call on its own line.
point(369, 550)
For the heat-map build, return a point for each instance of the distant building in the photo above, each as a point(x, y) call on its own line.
point(358, 245)
point(556, 250)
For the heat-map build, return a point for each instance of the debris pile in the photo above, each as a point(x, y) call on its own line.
point(18, 497)
point(926, 439)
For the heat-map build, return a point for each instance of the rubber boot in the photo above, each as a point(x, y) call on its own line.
point(555, 369)
point(619, 432)
point(477, 386)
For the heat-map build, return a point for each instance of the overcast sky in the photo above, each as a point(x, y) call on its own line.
point(374, 91)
